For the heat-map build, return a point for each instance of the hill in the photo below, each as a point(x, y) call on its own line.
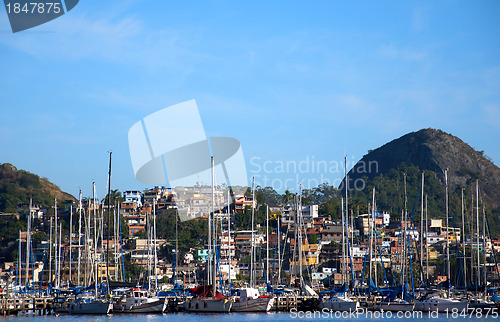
point(433, 151)
point(18, 186)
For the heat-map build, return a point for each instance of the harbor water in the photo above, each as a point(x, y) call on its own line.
point(261, 317)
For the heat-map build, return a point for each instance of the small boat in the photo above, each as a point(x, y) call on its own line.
point(340, 303)
point(479, 303)
point(204, 301)
point(251, 301)
point(441, 304)
point(396, 305)
point(137, 300)
point(395, 302)
point(86, 303)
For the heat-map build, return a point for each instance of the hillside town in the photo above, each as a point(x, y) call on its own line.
point(294, 240)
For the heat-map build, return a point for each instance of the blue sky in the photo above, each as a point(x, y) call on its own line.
point(294, 81)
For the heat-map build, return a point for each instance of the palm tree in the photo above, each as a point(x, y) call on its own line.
point(116, 197)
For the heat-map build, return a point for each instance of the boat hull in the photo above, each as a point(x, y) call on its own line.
point(395, 307)
point(95, 307)
point(208, 305)
point(260, 304)
point(340, 305)
point(158, 306)
point(441, 305)
point(481, 304)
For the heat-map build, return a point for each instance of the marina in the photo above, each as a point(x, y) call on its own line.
point(238, 161)
point(99, 265)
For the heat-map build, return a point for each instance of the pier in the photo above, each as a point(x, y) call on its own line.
point(25, 305)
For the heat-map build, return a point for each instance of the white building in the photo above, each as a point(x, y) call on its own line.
point(133, 196)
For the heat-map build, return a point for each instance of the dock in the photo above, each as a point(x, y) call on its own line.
point(301, 303)
point(25, 305)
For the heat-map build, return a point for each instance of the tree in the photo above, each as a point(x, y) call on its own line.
point(116, 197)
point(287, 197)
point(312, 238)
point(267, 196)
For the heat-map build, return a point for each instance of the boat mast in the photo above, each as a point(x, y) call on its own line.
point(229, 239)
point(477, 236)
point(60, 256)
point(426, 248)
point(55, 244)
point(422, 229)
point(155, 245)
point(404, 235)
point(95, 237)
point(70, 236)
point(109, 221)
point(121, 262)
point(370, 226)
point(447, 238)
point(28, 241)
point(89, 264)
point(50, 252)
point(176, 247)
point(19, 278)
point(299, 229)
point(148, 246)
point(343, 266)
point(374, 239)
point(484, 252)
point(252, 248)
point(463, 240)
point(267, 243)
point(346, 222)
point(209, 259)
point(115, 239)
point(279, 250)
point(214, 270)
point(79, 233)
point(471, 232)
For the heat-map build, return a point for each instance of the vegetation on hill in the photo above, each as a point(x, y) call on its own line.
point(433, 151)
point(18, 186)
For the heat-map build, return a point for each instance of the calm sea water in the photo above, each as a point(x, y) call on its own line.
point(240, 317)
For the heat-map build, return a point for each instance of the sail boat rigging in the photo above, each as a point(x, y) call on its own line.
point(206, 298)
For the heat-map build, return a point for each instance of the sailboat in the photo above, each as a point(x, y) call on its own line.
point(90, 302)
point(440, 304)
point(342, 301)
point(395, 304)
point(207, 298)
point(204, 300)
point(87, 303)
point(392, 302)
point(437, 302)
point(251, 301)
point(136, 300)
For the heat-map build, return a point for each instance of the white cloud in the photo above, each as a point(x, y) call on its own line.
point(120, 40)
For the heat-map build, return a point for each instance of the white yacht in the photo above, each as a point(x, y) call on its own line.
point(208, 304)
point(251, 301)
point(86, 303)
point(203, 301)
point(396, 305)
point(137, 300)
point(441, 304)
point(340, 303)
